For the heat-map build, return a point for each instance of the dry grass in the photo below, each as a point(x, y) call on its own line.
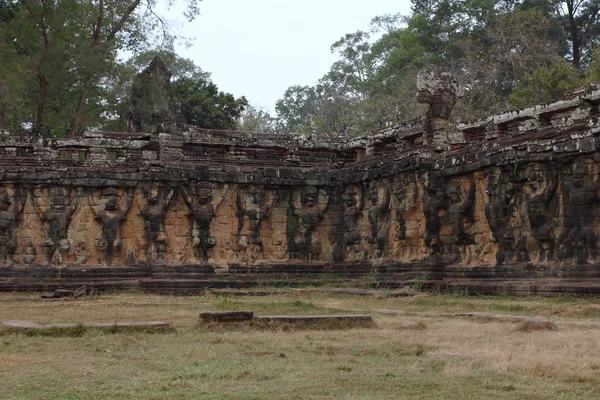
point(439, 357)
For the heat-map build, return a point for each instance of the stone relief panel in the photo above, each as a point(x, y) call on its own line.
point(110, 208)
point(535, 212)
point(254, 206)
point(154, 203)
point(354, 222)
point(12, 202)
point(379, 217)
point(55, 207)
point(434, 211)
point(539, 211)
point(501, 211)
point(406, 235)
point(203, 201)
point(580, 192)
point(306, 212)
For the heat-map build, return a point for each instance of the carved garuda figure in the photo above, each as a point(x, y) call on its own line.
point(434, 202)
point(405, 191)
point(254, 204)
point(111, 215)
point(460, 212)
point(158, 198)
point(56, 207)
point(379, 215)
point(353, 213)
point(580, 193)
point(202, 213)
point(11, 209)
point(503, 198)
point(309, 205)
point(542, 182)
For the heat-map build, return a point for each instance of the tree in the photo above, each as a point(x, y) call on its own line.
point(256, 119)
point(545, 84)
point(581, 22)
point(63, 51)
point(203, 105)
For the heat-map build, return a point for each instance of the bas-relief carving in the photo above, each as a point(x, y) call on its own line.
point(577, 239)
point(254, 206)
point(353, 200)
point(540, 191)
point(434, 208)
point(460, 217)
point(55, 207)
point(503, 198)
point(404, 188)
point(158, 199)
point(110, 213)
point(379, 216)
point(202, 209)
point(11, 209)
point(308, 207)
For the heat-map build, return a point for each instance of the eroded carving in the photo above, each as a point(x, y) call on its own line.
point(379, 216)
point(542, 182)
point(56, 207)
point(460, 212)
point(577, 239)
point(254, 205)
point(434, 208)
point(111, 214)
point(158, 201)
point(11, 209)
point(309, 205)
point(202, 213)
point(503, 197)
point(353, 213)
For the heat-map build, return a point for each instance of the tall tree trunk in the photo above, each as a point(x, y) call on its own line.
point(575, 34)
point(38, 69)
point(98, 48)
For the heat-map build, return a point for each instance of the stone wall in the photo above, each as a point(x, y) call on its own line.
point(520, 187)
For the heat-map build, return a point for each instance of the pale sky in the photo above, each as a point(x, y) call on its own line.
point(259, 48)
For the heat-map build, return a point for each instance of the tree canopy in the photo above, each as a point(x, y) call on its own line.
point(509, 53)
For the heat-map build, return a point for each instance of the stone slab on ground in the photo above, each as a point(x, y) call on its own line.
point(24, 324)
point(227, 316)
point(314, 318)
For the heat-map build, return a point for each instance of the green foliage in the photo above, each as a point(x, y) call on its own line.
point(257, 119)
point(545, 84)
point(205, 106)
point(62, 59)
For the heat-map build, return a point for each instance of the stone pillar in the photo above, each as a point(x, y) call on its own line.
point(441, 91)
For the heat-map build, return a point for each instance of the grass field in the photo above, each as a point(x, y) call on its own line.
point(412, 353)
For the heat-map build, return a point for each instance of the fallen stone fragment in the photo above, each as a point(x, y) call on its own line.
point(81, 291)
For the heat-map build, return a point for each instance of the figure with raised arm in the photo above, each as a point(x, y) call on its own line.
point(309, 206)
point(158, 201)
point(353, 212)
point(111, 217)
point(11, 209)
point(542, 184)
point(202, 213)
point(56, 216)
point(255, 206)
point(379, 216)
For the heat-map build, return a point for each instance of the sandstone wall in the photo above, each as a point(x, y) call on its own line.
point(517, 187)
